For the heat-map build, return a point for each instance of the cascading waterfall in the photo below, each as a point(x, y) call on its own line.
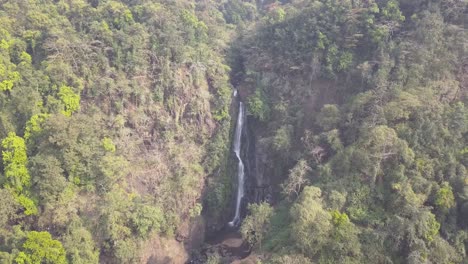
point(240, 167)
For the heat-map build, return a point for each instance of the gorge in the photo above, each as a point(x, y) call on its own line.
point(233, 131)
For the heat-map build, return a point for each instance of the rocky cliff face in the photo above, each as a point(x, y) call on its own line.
point(259, 167)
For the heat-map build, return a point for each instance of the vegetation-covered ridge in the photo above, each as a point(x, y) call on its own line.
point(112, 115)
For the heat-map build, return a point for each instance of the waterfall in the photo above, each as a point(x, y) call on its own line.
point(240, 166)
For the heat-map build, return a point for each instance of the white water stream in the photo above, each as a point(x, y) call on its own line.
point(240, 167)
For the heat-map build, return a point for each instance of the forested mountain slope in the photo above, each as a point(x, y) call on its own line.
point(360, 108)
point(116, 128)
point(112, 114)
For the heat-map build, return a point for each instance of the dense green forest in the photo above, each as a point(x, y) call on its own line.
point(117, 118)
point(108, 111)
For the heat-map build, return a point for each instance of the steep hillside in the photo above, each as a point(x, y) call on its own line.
point(360, 112)
point(112, 115)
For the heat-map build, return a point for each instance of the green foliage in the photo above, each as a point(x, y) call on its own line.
point(70, 99)
point(39, 247)
point(239, 12)
point(196, 210)
point(392, 12)
point(329, 117)
point(8, 208)
point(430, 228)
point(290, 259)
point(365, 94)
point(333, 139)
point(275, 15)
point(444, 197)
point(339, 219)
point(28, 204)
point(79, 245)
point(33, 126)
point(310, 222)
point(8, 74)
point(258, 105)
point(14, 162)
point(297, 179)
point(336, 200)
point(112, 170)
point(345, 245)
point(281, 141)
point(10, 79)
point(199, 27)
point(6, 258)
point(48, 177)
point(147, 218)
point(116, 225)
point(213, 259)
point(108, 144)
point(279, 236)
point(256, 225)
point(220, 184)
point(16, 173)
point(112, 95)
